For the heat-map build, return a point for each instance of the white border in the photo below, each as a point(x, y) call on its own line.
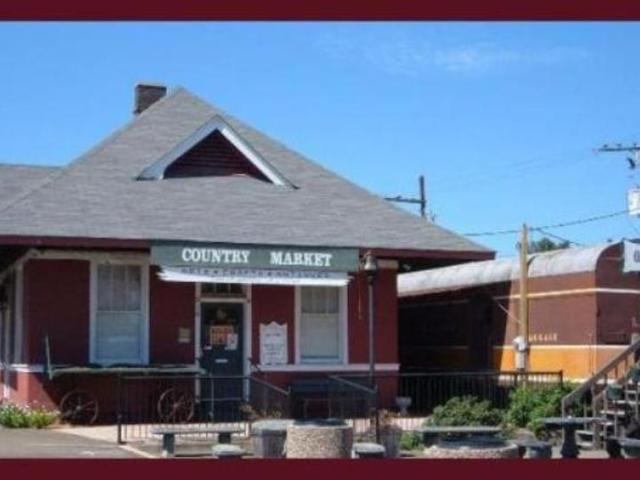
point(344, 331)
point(141, 260)
point(157, 170)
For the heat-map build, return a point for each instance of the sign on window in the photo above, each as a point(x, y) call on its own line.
point(273, 344)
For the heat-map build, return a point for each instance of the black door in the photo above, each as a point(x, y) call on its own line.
point(221, 339)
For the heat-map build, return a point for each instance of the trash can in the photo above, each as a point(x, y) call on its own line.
point(268, 438)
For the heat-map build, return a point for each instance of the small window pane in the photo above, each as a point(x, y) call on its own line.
point(119, 316)
point(320, 326)
point(104, 287)
point(221, 290)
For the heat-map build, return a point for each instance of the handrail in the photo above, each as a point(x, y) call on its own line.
point(271, 386)
point(601, 374)
point(461, 373)
point(357, 386)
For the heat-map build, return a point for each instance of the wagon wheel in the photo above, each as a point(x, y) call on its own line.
point(175, 406)
point(79, 407)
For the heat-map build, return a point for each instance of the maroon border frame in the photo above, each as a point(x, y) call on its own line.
point(320, 10)
point(318, 469)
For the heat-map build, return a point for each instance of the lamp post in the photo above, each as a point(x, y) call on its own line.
point(370, 268)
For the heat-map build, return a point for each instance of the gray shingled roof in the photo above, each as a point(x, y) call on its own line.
point(98, 196)
point(18, 180)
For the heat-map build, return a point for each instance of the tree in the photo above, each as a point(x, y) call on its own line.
point(545, 244)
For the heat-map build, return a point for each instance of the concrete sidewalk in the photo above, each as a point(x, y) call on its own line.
point(54, 443)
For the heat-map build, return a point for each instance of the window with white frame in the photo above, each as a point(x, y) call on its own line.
point(120, 314)
point(321, 326)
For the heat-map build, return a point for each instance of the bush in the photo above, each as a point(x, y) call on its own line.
point(528, 405)
point(465, 411)
point(410, 441)
point(13, 416)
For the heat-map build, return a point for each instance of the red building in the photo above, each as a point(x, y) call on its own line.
point(189, 239)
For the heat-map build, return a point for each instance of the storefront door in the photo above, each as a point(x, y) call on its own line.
point(221, 338)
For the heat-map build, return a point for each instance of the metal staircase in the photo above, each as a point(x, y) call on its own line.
point(612, 396)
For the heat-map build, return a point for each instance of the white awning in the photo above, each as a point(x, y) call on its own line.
point(255, 276)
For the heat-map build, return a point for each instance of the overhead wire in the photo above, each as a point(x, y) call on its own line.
point(550, 226)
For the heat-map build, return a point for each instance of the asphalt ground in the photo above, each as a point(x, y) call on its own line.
point(49, 443)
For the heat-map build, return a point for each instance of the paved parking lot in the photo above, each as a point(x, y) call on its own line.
point(32, 443)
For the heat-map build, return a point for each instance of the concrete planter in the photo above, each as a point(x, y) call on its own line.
point(319, 439)
point(390, 436)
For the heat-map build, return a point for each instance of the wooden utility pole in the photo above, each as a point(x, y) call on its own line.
point(421, 200)
point(524, 292)
point(423, 197)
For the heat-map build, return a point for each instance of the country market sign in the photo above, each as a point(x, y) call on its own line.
point(249, 256)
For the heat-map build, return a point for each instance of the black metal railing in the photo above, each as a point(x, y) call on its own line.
point(147, 401)
point(356, 401)
point(425, 391)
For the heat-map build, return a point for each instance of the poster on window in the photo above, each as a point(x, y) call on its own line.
point(232, 342)
point(218, 335)
point(273, 344)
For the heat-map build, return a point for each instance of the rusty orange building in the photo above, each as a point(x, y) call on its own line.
point(582, 308)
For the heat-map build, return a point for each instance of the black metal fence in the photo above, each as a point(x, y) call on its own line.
point(357, 395)
point(355, 401)
point(428, 390)
point(147, 401)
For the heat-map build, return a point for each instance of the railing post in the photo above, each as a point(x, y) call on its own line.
point(377, 413)
point(119, 414)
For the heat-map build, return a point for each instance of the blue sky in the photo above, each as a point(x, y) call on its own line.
point(502, 118)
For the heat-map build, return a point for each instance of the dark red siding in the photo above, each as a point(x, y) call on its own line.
point(172, 306)
point(272, 304)
point(213, 156)
point(386, 324)
point(56, 302)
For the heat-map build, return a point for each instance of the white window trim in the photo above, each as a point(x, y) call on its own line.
point(344, 330)
point(93, 306)
point(18, 333)
point(157, 170)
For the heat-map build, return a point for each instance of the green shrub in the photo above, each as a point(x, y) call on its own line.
point(13, 416)
point(465, 411)
point(527, 405)
point(410, 441)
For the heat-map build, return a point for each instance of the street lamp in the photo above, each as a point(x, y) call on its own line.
point(370, 268)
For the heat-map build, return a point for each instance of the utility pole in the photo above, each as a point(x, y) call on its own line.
point(421, 200)
point(633, 149)
point(524, 294)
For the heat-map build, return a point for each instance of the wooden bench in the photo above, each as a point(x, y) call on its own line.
point(169, 435)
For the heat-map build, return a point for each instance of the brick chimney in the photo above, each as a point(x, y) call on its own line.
point(146, 94)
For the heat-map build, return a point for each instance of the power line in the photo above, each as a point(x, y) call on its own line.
point(558, 237)
point(555, 225)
